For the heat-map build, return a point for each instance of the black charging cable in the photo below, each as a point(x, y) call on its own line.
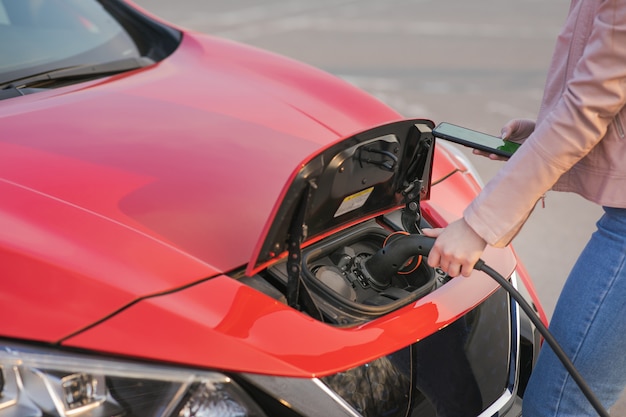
point(548, 337)
point(384, 264)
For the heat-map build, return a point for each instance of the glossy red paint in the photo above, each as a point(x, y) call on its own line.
point(168, 131)
point(132, 159)
point(64, 267)
point(223, 324)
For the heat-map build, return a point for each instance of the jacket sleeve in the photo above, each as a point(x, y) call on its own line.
point(595, 93)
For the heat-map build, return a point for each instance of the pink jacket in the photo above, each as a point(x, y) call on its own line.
point(578, 143)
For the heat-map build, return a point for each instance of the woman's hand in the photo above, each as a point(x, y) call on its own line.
point(516, 130)
point(456, 249)
point(492, 156)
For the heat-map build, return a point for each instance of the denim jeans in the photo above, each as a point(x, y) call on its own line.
point(589, 322)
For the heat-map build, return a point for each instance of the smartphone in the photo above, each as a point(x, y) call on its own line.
point(474, 139)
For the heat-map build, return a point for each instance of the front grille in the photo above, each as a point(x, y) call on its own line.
point(459, 371)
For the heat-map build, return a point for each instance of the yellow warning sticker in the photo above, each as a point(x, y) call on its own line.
point(354, 201)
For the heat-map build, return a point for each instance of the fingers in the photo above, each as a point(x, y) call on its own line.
point(492, 156)
point(467, 268)
point(510, 129)
point(432, 232)
point(517, 129)
point(450, 264)
point(456, 249)
point(434, 259)
point(452, 269)
point(506, 132)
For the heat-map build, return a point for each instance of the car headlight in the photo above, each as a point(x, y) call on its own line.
point(38, 382)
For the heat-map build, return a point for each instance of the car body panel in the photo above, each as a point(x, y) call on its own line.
point(59, 279)
point(140, 172)
point(171, 140)
point(210, 325)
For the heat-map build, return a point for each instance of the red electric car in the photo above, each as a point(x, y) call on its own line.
point(193, 227)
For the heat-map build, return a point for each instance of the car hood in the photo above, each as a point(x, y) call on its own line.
point(100, 172)
point(145, 149)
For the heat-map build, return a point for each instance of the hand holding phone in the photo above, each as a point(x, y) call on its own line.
point(489, 155)
point(483, 142)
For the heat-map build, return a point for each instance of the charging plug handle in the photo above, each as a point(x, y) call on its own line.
point(380, 268)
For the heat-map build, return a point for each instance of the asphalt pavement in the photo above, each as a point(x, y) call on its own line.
point(477, 64)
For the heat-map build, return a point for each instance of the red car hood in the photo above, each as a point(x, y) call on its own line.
point(110, 186)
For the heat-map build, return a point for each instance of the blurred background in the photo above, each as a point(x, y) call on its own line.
point(477, 64)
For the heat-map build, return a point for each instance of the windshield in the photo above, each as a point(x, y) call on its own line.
point(44, 35)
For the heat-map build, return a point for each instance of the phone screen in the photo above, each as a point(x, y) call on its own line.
point(474, 139)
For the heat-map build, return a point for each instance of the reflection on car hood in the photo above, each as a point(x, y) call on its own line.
point(188, 155)
point(166, 134)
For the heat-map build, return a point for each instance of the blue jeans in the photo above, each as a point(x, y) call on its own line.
point(589, 322)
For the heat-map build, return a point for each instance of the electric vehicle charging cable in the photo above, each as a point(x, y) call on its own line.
point(548, 337)
point(387, 261)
